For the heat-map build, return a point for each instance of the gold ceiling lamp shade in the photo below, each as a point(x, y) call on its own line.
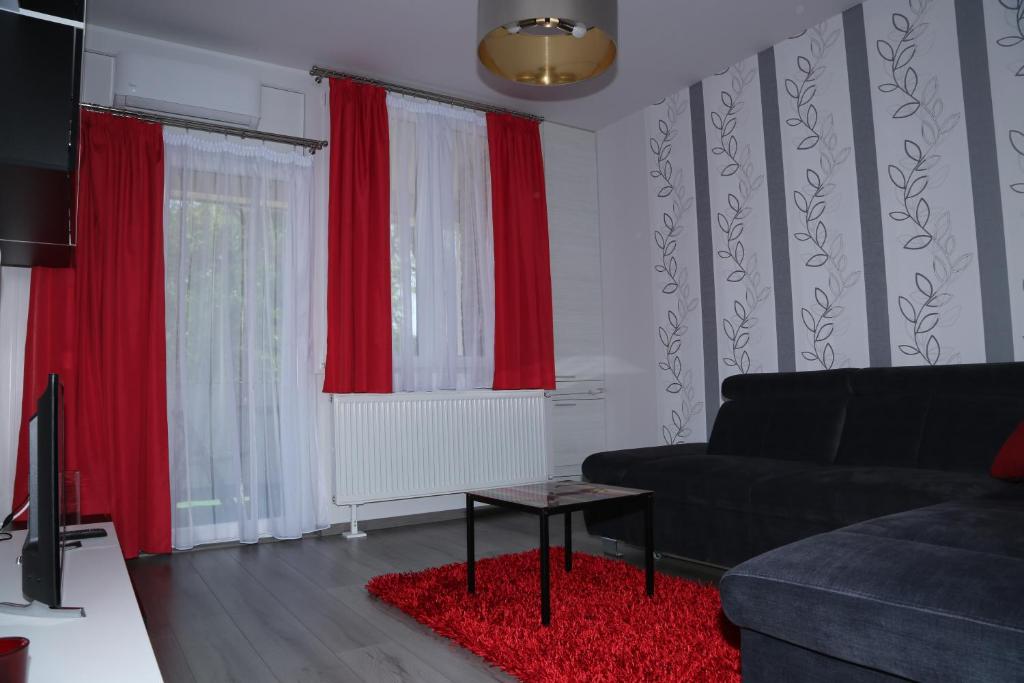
point(547, 42)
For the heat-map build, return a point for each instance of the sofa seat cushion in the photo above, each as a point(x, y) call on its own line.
point(837, 496)
point(989, 524)
point(931, 594)
point(723, 481)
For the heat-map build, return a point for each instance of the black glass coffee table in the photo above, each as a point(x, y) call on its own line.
point(559, 498)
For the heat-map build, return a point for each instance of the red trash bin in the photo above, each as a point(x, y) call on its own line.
point(13, 660)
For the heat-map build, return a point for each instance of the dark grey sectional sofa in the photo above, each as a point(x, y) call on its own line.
point(893, 553)
point(932, 594)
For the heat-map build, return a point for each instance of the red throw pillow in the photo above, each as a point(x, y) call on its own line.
point(1009, 462)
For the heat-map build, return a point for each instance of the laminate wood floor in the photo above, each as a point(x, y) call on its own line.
point(298, 611)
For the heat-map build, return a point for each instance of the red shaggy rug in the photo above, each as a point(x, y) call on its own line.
point(603, 625)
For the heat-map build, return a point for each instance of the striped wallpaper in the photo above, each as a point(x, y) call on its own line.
point(852, 196)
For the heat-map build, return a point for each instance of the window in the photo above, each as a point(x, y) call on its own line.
point(238, 250)
point(442, 259)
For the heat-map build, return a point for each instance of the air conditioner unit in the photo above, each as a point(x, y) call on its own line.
point(194, 91)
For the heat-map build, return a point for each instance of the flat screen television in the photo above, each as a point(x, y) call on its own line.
point(42, 554)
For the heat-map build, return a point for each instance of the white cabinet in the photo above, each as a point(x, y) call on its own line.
point(577, 424)
point(110, 644)
point(577, 417)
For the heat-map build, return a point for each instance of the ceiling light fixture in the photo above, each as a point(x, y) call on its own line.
point(547, 42)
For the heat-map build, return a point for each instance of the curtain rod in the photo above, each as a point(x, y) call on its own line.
point(210, 127)
point(320, 73)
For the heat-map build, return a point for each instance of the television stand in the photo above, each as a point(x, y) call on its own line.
point(38, 610)
point(110, 645)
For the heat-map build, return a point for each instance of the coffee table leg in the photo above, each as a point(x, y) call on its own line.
point(568, 541)
point(649, 543)
point(470, 548)
point(545, 584)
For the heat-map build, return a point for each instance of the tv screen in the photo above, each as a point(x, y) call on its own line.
point(42, 553)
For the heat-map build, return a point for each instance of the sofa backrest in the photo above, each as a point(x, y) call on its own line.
point(788, 416)
point(886, 416)
point(953, 417)
point(946, 418)
point(973, 409)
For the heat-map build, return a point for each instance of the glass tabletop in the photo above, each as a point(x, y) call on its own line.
point(555, 494)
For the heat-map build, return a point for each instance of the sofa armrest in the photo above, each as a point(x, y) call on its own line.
point(611, 467)
point(689, 449)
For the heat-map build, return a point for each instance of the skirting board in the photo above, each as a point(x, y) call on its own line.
point(369, 525)
point(407, 520)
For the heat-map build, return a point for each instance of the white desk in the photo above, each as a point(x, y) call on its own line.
point(110, 644)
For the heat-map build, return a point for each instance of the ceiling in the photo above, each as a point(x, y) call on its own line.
point(664, 45)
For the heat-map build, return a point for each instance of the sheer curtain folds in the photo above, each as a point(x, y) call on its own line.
point(239, 249)
point(442, 258)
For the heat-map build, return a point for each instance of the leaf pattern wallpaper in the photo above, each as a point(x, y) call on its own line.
point(893, 136)
point(1004, 23)
point(679, 347)
point(739, 211)
point(927, 203)
point(823, 216)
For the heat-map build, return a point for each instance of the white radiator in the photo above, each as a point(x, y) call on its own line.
point(388, 447)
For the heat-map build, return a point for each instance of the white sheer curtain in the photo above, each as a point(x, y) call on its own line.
point(14, 291)
point(442, 255)
point(239, 249)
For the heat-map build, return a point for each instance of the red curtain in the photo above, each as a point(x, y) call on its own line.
point(114, 361)
point(524, 346)
point(50, 347)
point(359, 252)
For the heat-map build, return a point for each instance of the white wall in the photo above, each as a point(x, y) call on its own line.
point(631, 410)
